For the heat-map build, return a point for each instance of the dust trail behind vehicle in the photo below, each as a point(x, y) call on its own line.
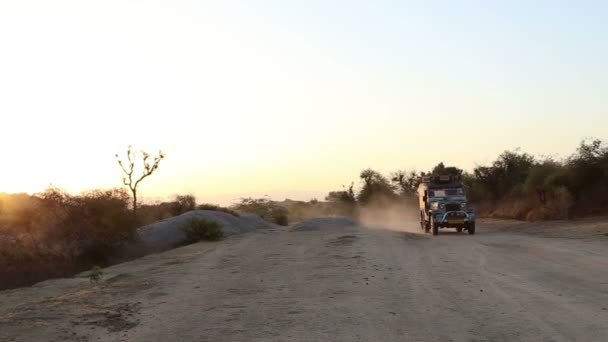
point(403, 217)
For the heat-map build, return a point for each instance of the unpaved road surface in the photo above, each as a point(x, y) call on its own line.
point(510, 282)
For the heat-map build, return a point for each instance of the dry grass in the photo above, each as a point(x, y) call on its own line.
point(55, 234)
point(557, 207)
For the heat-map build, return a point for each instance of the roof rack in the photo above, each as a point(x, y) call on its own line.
point(441, 179)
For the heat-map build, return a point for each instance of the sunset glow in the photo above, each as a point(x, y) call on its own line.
point(289, 99)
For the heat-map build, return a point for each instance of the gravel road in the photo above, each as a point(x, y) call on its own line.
point(510, 282)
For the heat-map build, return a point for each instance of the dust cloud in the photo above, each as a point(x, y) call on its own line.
point(402, 217)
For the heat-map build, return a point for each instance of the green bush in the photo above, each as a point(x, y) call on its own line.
point(198, 228)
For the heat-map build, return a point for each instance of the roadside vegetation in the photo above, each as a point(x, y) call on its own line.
point(519, 185)
point(264, 207)
point(56, 234)
point(215, 207)
point(202, 229)
point(53, 233)
point(516, 185)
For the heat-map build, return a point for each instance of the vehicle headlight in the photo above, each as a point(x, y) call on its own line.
point(434, 205)
point(441, 205)
point(463, 205)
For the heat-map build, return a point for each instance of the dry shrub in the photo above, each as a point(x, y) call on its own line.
point(150, 213)
point(300, 210)
point(215, 207)
point(183, 204)
point(558, 207)
point(54, 234)
point(561, 203)
point(268, 210)
point(512, 209)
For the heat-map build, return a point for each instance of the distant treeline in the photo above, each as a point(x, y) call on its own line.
point(516, 185)
point(519, 185)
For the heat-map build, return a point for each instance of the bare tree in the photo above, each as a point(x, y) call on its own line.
point(131, 180)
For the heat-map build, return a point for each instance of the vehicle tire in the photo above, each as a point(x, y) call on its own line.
point(471, 228)
point(422, 223)
point(459, 229)
point(435, 226)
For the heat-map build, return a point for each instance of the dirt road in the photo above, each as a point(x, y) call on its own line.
point(510, 282)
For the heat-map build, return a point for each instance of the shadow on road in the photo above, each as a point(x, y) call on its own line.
point(452, 233)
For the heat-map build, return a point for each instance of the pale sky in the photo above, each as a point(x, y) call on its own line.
point(290, 98)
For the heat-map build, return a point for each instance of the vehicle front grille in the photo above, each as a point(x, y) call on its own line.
point(452, 207)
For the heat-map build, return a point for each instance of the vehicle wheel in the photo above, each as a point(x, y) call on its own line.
point(435, 226)
point(459, 229)
point(422, 223)
point(471, 228)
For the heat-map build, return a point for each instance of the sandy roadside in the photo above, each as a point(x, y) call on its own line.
point(508, 282)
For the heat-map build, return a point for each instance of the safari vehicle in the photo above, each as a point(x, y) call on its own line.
point(443, 204)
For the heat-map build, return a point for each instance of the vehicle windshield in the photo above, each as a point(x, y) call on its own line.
point(446, 192)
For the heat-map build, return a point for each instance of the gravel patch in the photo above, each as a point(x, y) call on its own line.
point(168, 232)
